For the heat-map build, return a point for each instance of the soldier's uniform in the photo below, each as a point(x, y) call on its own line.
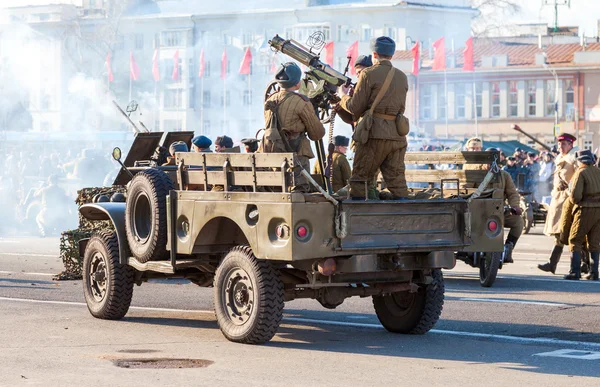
point(296, 118)
point(504, 182)
point(177, 146)
point(585, 195)
point(385, 149)
point(340, 167)
point(563, 173)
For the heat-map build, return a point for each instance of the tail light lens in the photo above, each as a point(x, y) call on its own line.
point(302, 232)
point(492, 225)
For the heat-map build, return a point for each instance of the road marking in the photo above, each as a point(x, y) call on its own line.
point(30, 255)
point(25, 273)
point(505, 301)
point(571, 354)
point(521, 277)
point(492, 337)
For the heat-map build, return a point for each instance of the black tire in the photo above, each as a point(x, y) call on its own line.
point(107, 285)
point(489, 263)
point(412, 313)
point(248, 297)
point(146, 215)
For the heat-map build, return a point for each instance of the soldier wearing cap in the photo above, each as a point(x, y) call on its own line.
point(201, 144)
point(224, 144)
point(585, 195)
point(289, 118)
point(251, 144)
point(177, 146)
point(340, 167)
point(385, 148)
point(563, 173)
point(361, 63)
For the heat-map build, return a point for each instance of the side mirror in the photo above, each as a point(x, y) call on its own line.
point(116, 154)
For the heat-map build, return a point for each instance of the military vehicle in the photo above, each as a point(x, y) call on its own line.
point(259, 245)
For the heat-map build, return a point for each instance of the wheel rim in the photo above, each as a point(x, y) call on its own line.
point(403, 302)
point(142, 217)
point(237, 296)
point(97, 283)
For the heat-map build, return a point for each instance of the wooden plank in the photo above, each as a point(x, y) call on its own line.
point(449, 157)
point(435, 176)
point(239, 178)
point(243, 160)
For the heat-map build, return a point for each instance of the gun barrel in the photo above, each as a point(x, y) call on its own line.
point(518, 129)
point(137, 130)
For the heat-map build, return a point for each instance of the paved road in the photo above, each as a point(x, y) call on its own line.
point(529, 328)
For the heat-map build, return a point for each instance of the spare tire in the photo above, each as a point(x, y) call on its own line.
point(146, 215)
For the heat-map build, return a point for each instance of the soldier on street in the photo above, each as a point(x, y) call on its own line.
point(340, 167)
point(177, 146)
point(564, 171)
point(585, 194)
point(251, 144)
point(201, 144)
point(386, 147)
point(289, 118)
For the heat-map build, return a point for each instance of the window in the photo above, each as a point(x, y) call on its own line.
point(206, 102)
point(441, 102)
point(247, 39)
point(479, 99)
point(587, 144)
point(459, 100)
point(531, 98)
point(171, 38)
point(227, 99)
point(207, 69)
point(301, 34)
point(247, 97)
point(569, 100)
point(513, 99)
point(139, 41)
point(390, 31)
point(191, 71)
point(206, 126)
point(550, 100)
point(426, 102)
point(495, 99)
point(366, 33)
point(173, 98)
point(191, 98)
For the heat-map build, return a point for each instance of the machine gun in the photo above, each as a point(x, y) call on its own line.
point(320, 85)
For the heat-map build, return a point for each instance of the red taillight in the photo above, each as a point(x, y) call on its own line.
point(492, 225)
point(302, 231)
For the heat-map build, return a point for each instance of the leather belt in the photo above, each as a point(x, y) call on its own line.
point(385, 116)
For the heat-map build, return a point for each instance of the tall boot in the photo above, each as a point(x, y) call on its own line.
point(508, 249)
point(575, 273)
point(594, 271)
point(554, 258)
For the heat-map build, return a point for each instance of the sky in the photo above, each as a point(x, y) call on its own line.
point(583, 13)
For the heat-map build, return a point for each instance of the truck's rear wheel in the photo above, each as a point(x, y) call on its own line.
point(107, 285)
point(146, 215)
point(412, 313)
point(489, 263)
point(248, 297)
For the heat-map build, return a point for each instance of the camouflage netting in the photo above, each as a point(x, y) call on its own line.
point(69, 240)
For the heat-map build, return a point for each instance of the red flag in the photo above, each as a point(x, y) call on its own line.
point(111, 77)
point(202, 66)
point(155, 71)
point(329, 53)
point(439, 56)
point(352, 52)
point(175, 75)
point(469, 61)
point(224, 65)
point(245, 66)
point(416, 57)
point(134, 70)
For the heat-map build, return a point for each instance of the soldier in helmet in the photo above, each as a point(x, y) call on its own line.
point(201, 144)
point(251, 144)
point(289, 119)
point(386, 147)
point(340, 167)
point(177, 146)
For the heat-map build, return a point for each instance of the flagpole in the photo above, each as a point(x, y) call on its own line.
point(475, 107)
point(130, 86)
point(202, 105)
point(156, 104)
point(249, 100)
point(446, 101)
point(225, 103)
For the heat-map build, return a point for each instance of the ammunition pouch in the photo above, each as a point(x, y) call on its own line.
point(363, 129)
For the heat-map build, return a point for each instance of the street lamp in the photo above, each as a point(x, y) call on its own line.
point(545, 64)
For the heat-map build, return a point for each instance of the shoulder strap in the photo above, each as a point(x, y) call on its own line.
point(386, 85)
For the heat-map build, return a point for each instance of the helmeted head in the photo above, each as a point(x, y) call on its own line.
point(251, 144)
point(288, 75)
point(511, 160)
point(384, 47)
point(362, 62)
point(474, 144)
point(201, 142)
point(223, 142)
point(178, 146)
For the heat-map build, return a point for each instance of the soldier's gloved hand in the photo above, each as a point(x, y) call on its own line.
point(562, 186)
point(516, 210)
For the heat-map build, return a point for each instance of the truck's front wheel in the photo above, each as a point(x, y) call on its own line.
point(248, 297)
point(107, 285)
point(412, 313)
